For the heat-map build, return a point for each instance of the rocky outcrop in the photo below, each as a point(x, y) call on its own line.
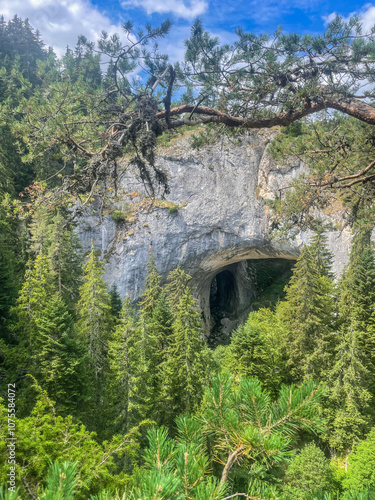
point(214, 218)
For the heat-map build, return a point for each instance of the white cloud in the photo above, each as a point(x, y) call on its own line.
point(366, 13)
point(328, 19)
point(368, 17)
point(180, 8)
point(60, 21)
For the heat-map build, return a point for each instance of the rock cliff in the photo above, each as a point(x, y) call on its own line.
point(214, 219)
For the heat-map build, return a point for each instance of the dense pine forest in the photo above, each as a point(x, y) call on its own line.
point(115, 400)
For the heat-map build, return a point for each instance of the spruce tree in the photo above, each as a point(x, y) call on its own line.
point(94, 327)
point(116, 304)
point(59, 359)
point(154, 328)
point(11, 262)
point(255, 350)
point(159, 328)
point(176, 286)
point(349, 406)
point(32, 300)
point(150, 296)
point(94, 312)
point(308, 314)
point(127, 383)
point(159, 332)
point(352, 378)
point(35, 292)
point(51, 235)
point(65, 256)
point(186, 369)
point(357, 293)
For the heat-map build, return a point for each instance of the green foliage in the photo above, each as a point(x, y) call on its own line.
point(122, 215)
point(94, 327)
point(308, 472)
point(245, 422)
point(52, 236)
point(11, 260)
point(349, 405)
point(361, 471)
point(61, 481)
point(116, 304)
point(127, 381)
point(36, 290)
point(308, 313)
point(19, 42)
point(44, 436)
point(152, 291)
point(176, 286)
point(256, 351)
point(94, 312)
point(177, 469)
point(352, 378)
point(59, 360)
point(185, 370)
point(334, 150)
point(117, 369)
point(5, 494)
point(270, 277)
point(173, 210)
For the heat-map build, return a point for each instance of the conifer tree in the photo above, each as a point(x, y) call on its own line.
point(61, 245)
point(61, 481)
point(153, 328)
point(176, 286)
point(127, 382)
point(246, 424)
point(32, 300)
point(152, 291)
point(159, 332)
point(349, 406)
point(94, 312)
point(357, 293)
point(255, 350)
point(59, 359)
point(185, 371)
point(361, 471)
point(352, 378)
point(177, 469)
point(308, 313)
point(11, 262)
point(159, 328)
point(94, 326)
point(35, 292)
point(116, 304)
point(65, 255)
point(307, 473)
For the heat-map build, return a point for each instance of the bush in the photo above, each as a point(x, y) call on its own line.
point(122, 215)
point(307, 473)
point(173, 210)
point(361, 472)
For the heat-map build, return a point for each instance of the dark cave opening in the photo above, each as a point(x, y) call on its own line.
point(223, 301)
point(248, 286)
point(223, 294)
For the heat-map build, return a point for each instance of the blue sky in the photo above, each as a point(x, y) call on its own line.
point(61, 21)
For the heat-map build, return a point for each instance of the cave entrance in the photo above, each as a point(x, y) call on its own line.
point(243, 287)
point(223, 300)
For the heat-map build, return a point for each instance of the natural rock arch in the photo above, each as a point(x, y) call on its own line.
point(220, 220)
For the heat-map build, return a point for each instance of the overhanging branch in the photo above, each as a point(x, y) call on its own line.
point(353, 107)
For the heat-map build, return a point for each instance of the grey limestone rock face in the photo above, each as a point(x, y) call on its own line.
point(222, 219)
